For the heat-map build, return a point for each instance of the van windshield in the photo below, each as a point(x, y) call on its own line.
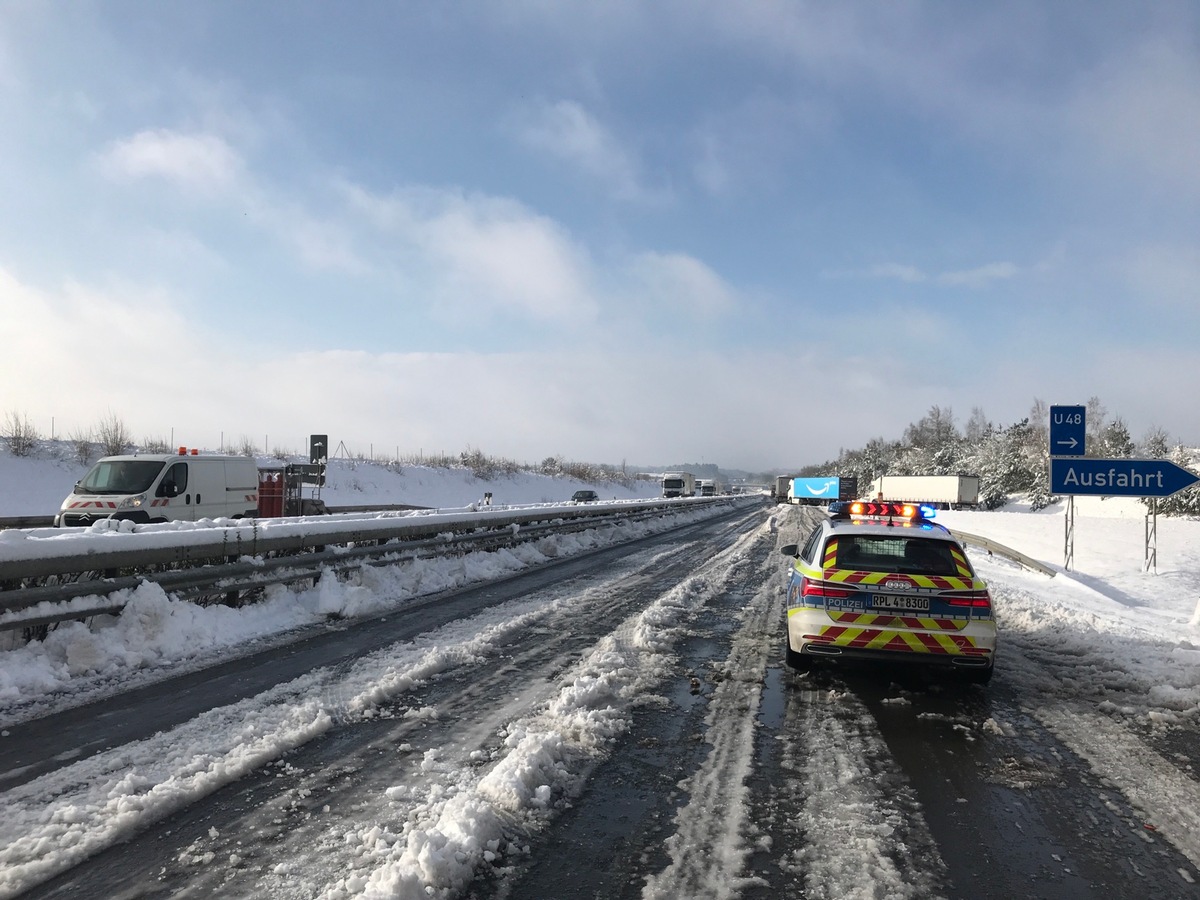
point(127, 476)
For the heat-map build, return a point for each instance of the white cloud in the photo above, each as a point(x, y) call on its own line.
point(501, 255)
point(979, 277)
point(197, 162)
point(568, 132)
point(320, 243)
point(909, 274)
point(479, 255)
point(128, 350)
point(682, 282)
point(123, 348)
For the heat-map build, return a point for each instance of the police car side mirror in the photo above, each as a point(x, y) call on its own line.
point(792, 550)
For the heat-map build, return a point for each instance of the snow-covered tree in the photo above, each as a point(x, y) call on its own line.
point(1115, 441)
point(1156, 444)
point(1187, 501)
point(1097, 422)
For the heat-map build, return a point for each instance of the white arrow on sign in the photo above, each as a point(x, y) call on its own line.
point(1071, 443)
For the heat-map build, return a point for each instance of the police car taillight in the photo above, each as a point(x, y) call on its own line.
point(811, 588)
point(972, 599)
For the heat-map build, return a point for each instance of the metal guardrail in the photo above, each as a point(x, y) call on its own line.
point(26, 522)
point(48, 521)
point(73, 577)
point(1008, 552)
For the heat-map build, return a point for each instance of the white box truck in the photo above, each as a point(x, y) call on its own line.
point(679, 484)
point(172, 487)
point(942, 491)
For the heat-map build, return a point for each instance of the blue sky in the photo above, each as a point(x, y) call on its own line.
point(743, 233)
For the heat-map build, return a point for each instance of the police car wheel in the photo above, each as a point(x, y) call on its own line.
point(978, 676)
point(794, 660)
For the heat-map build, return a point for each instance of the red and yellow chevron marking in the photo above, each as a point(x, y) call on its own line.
point(964, 582)
point(961, 561)
point(904, 641)
point(884, 620)
point(937, 582)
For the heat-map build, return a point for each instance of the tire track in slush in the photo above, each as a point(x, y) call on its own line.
point(389, 776)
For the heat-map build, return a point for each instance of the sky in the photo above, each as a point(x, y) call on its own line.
point(1063, 649)
point(745, 234)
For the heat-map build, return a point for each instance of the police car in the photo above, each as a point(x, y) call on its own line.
point(881, 581)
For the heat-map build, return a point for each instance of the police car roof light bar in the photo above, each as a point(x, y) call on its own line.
point(845, 509)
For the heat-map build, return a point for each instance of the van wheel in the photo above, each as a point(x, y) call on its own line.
point(794, 660)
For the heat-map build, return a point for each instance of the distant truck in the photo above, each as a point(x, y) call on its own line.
point(172, 487)
point(823, 490)
point(942, 491)
point(783, 484)
point(679, 484)
point(708, 487)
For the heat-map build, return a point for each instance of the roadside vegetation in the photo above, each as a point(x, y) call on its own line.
point(110, 436)
point(1010, 460)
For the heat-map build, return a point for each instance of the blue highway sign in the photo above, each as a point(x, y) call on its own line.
point(1068, 426)
point(1118, 477)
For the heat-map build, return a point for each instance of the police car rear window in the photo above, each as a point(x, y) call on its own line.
point(887, 554)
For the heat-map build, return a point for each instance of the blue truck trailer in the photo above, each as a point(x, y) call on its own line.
point(822, 490)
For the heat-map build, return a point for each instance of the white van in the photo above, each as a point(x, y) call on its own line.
point(163, 488)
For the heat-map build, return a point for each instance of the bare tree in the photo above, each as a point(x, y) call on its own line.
point(248, 447)
point(1097, 423)
point(81, 445)
point(934, 431)
point(20, 433)
point(978, 427)
point(113, 436)
point(155, 445)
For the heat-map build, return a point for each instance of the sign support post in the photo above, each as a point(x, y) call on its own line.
point(1152, 537)
point(1069, 535)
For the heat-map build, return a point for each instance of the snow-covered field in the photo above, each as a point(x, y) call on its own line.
point(36, 486)
point(1106, 641)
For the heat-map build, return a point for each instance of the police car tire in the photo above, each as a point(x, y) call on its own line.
point(795, 660)
point(978, 676)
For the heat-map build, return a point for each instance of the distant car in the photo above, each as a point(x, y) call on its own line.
point(584, 497)
point(880, 581)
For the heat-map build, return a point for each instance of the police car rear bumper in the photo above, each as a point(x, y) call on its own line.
point(819, 650)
